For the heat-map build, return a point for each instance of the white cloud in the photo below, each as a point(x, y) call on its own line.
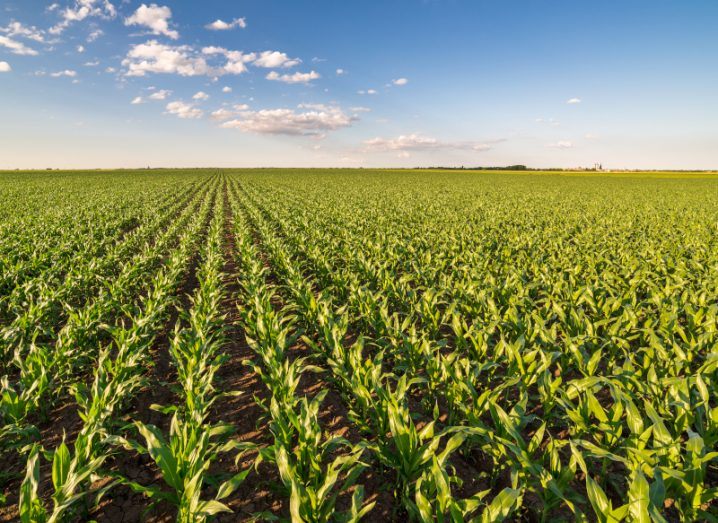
point(359, 109)
point(17, 29)
point(94, 35)
point(16, 47)
point(222, 114)
point(137, 100)
point(573, 101)
point(80, 48)
point(110, 70)
point(402, 143)
point(154, 17)
point(307, 120)
point(400, 81)
point(184, 60)
point(154, 57)
point(67, 72)
point(271, 59)
point(83, 9)
point(236, 60)
point(160, 95)
point(561, 144)
point(367, 91)
point(219, 25)
point(94, 63)
point(417, 142)
point(183, 110)
point(549, 121)
point(296, 78)
point(5, 67)
point(226, 89)
point(481, 147)
point(201, 95)
point(340, 72)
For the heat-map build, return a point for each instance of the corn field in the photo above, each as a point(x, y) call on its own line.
point(316, 346)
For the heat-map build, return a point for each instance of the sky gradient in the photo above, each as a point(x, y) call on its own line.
point(395, 83)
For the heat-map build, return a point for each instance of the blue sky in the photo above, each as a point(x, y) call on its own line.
point(122, 83)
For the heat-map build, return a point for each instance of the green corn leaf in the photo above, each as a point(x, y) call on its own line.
point(60, 466)
point(501, 506)
point(29, 505)
point(162, 454)
point(639, 498)
point(230, 485)
point(211, 507)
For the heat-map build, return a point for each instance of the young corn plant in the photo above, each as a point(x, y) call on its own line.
point(193, 443)
point(314, 468)
point(117, 379)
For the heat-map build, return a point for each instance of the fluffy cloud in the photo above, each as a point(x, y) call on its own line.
point(548, 121)
point(94, 35)
point(201, 95)
point(154, 17)
point(341, 72)
point(222, 114)
point(226, 89)
point(271, 59)
point(236, 60)
point(368, 91)
point(29, 32)
point(154, 57)
point(16, 47)
point(183, 110)
point(82, 9)
point(219, 25)
point(184, 60)
point(573, 101)
point(137, 100)
point(80, 48)
point(403, 144)
point(400, 81)
point(67, 72)
point(296, 78)
point(5, 67)
point(561, 144)
point(307, 120)
point(160, 95)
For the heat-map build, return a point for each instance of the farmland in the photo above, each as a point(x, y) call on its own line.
point(345, 345)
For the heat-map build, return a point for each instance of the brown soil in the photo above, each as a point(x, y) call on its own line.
point(258, 492)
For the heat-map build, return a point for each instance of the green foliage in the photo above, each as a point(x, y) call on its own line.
point(504, 345)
